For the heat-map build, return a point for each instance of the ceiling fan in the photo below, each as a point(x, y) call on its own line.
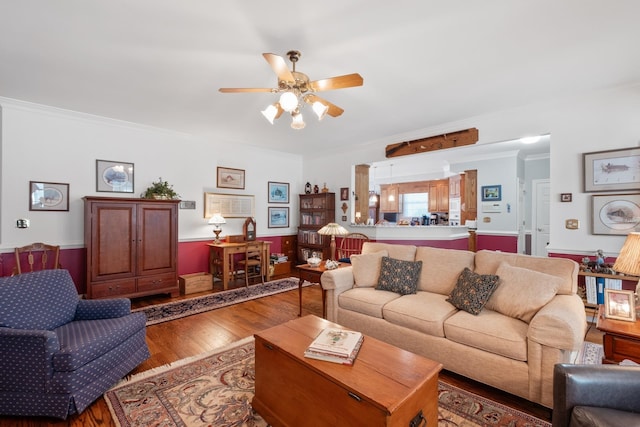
point(296, 89)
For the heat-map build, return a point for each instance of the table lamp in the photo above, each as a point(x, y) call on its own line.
point(628, 262)
point(332, 229)
point(217, 220)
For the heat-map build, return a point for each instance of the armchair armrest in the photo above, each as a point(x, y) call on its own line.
point(25, 358)
point(561, 324)
point(102, 308)
point(602, 386)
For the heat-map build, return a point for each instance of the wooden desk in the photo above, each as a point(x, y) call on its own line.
point(312, 275)
point(621, 339)
point(225, 252)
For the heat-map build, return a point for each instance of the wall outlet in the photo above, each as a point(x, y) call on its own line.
point(572, 224)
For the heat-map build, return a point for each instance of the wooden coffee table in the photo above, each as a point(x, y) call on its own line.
point(386, 386)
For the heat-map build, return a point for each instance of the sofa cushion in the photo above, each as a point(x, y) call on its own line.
point(366, 268)
point(489, 331)
point(367, 301)
point(487, 262)
point(399, 276)
point(522, 292)
point(403, 252)
point(472, 291)
point(441, 268)
point(40, 300)
point(411, 312)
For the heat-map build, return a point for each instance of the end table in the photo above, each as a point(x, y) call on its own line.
point(312, 275)
point(621, 339)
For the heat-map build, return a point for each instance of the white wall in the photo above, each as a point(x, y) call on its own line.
point(592, 122)
point(47, 144)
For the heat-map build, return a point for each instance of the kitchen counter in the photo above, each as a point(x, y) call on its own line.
point(411, 232)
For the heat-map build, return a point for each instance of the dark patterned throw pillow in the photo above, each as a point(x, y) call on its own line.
point(473, 290)
point(399, 276)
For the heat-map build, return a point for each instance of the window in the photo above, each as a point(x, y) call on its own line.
point(415, 205)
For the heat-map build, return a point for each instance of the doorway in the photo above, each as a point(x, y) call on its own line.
point(540, 219)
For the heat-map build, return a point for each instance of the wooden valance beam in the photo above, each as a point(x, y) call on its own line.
point(432, 143)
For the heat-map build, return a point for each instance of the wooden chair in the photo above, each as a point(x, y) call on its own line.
point(252, 265)
point(351, 244)
point(44, 251)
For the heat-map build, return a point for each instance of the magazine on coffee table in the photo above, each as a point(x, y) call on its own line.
point(335, 345)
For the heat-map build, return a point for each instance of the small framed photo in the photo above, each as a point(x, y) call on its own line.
point(565, 197)
point(230, 178)
point(491, 193)
point(278, 192)
point(278, 217)
point(114, 177)
point(48, 196)
point(619, 305)
point(612, 170)
point(344, 193)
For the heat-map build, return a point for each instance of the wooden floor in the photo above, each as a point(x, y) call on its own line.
point(189, 336)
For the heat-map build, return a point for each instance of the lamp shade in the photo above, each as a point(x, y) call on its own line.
point(628, 262)
point(288, 101)
point(333, 229)
point(217, 219)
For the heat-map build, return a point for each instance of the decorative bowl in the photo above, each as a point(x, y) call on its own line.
point(314, 261)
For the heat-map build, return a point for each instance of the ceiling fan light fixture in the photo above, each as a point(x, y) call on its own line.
point(297, 122)
point(320, 109)
point(288, 101)
point(270, 112)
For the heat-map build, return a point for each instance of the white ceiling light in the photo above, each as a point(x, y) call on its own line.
point(297, 122)
point(288, 101)
point(320, 109)
point(530, 139)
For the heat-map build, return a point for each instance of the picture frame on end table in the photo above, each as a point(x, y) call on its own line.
point(230, 178)
point(48, 196)
point(278, 192)
point(114, 177)
point(620, 305)
point(611, 170)
point(616, 214)
point(278, 217)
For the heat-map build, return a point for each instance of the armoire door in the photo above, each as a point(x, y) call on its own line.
point(113, 227)
point(156, 239)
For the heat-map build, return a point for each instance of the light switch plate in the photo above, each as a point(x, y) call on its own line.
point(572, 224)
point(188, 204)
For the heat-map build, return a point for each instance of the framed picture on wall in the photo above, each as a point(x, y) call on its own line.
point(278, 192)
point(491, 193)
point(616, 213)
point(114, 177)
point(48, 196)
point(230, 178)
point(278, 217)
point(612, 170)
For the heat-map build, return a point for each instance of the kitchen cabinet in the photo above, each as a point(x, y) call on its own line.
point(131, 247)
point(386, 205)
point(439, 195)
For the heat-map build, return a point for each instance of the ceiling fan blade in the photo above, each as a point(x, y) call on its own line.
point(339, 82)
point(244, 89)
point(279, 66)
point(334, 110)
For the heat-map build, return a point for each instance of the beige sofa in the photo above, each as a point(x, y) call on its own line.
point(533, 320)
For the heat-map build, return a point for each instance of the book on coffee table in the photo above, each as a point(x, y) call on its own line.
point(335, 345)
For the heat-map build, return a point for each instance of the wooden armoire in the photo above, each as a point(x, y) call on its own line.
point(131, 247)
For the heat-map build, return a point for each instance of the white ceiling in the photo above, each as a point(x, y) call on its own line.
point(424, 62)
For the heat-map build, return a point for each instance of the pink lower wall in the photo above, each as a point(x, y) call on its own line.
point(193, 257)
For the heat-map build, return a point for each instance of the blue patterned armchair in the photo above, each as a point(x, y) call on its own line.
point(59, 353)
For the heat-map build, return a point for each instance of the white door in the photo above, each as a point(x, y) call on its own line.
point(520, 217)
point(541, 228)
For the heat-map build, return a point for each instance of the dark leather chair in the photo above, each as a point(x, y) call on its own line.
point(596, 395)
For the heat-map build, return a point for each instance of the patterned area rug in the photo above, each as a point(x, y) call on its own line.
point(186, 307)
point(591, 354)
point(215, 389)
